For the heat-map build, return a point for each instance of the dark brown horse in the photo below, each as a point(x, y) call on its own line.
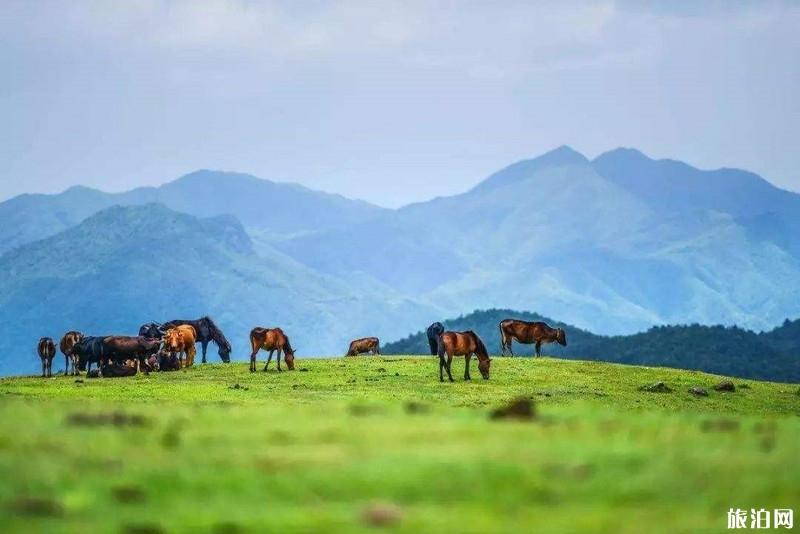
point(47, 351)
point(364, 345)
point(270, 339)
point(66, 344)
point(462, 344)
point(525, 332)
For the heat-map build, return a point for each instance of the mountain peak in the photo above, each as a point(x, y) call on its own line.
point(622, 154)
point(563, 155)
point(558, 157)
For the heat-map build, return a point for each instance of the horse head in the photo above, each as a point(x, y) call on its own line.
point(288, 358)
point(225, 352)
point(483, 367)
point(561, 337)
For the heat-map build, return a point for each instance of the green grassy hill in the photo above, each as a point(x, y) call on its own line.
point(772, 355)
point(348, 444)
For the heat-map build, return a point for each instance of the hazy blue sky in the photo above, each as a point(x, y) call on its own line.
point(387, 101)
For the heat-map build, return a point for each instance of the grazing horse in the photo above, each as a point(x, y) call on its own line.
point(205, 331)
point(181, 340)
point(270, 339)
point(364, 345)
point(466, 344)
point(525, 332)
point(66, 344)
point(434, 331)
point(47, 351)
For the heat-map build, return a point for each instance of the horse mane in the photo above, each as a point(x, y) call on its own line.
point(288, 346)
point(216, 334)
point(478, 344)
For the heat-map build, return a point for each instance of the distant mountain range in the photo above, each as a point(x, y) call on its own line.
point(613, 245)
point(730, 351)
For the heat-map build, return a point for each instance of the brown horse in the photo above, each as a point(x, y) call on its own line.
point(66, 344)
point(47, 351)
point(181, 340)
point(270, 339)
point(525, 332)
point(466, 344)
point(364, 345)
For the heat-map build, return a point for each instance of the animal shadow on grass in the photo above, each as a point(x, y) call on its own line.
point(522, 409)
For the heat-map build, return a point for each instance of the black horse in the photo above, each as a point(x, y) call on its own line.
point(205, 329)
point(89, 350)
point(434, 331)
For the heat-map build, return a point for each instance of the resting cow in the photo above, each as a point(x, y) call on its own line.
point(138, 348)
point(47, 351)
point(364, 345)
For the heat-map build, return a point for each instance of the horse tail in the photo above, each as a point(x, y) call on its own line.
point(440, 348)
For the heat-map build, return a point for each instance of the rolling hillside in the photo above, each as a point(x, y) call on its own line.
point(360, 444)
point(772, 355)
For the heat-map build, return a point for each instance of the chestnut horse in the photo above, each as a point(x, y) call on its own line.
point(47, 351)
point(466, 344)
point(525, 332)
point(270, 339)
point(181, 339)
point(364, 345)
point(66, 344)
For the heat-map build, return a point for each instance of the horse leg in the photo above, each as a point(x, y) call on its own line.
point(253, 361)
point(44, 367)
point(441, 367)
point(50, 367)
point(269, 359)
point(205, 347)
point(278, 359)
point(467, 358)
point(449, 367)
point(539, 348)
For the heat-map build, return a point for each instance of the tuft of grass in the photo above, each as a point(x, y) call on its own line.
point(356, 444)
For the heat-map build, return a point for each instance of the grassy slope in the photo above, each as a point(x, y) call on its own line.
point(316, 449)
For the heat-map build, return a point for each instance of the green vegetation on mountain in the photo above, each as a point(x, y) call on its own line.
point(350, 444)
point(772, 355)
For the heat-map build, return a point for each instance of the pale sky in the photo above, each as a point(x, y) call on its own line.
point(391, 102)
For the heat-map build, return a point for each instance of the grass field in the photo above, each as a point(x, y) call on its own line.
point(360, 444)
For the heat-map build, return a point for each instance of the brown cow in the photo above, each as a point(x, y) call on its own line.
point(47, 351)
point(181, 340)
point(270, 339)
point(525, 332)
point(66, 344)
point(466, 344)
point(364, 345)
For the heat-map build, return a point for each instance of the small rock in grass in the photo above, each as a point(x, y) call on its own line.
point(79, 381)
point(381, 514)
point(657, 387)
point(303, 369)
point(698, 391)
point(237, 386)
point(725, 385)
point(37, 507)
point(521, 408)
point(416, 407)
point(128, 494)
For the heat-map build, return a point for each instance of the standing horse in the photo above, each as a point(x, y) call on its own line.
point(66, 344)
point(181, 340)
point(47, 351)
point(525, 332)
point(205, 331)
point(364, 345)
point(270, 339)
point(434, 331)
point(466, 344)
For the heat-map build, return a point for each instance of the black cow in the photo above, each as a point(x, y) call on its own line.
point(47, 351)
point(89, 350)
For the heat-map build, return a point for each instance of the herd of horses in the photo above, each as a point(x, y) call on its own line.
point(171, 346)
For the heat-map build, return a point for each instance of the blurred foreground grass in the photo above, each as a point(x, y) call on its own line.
point(360, 444)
